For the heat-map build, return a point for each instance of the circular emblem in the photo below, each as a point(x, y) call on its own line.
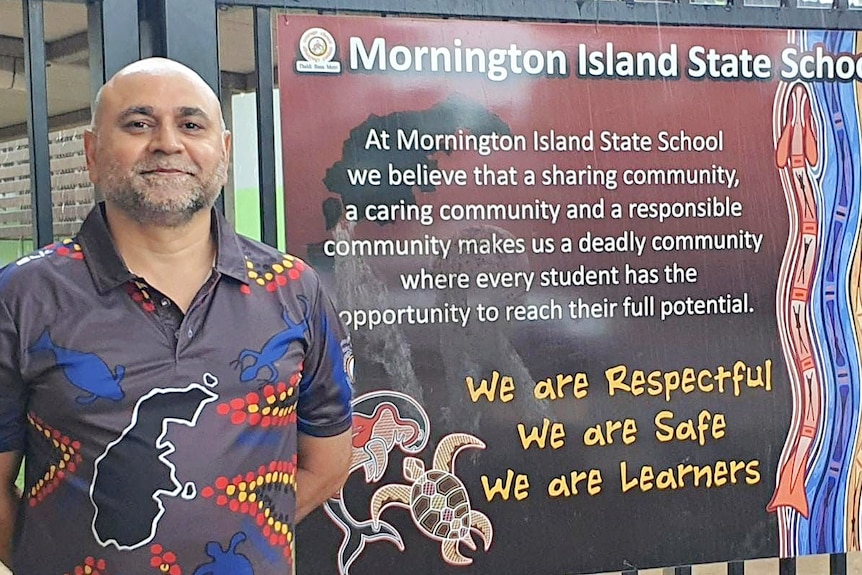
point(317, 45)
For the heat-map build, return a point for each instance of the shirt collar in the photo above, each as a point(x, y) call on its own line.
point(109, 271)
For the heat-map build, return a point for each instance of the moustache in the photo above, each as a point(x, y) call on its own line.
point(148, 168)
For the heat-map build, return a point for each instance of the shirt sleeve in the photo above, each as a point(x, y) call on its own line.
point(326, 387)
point(13, 398)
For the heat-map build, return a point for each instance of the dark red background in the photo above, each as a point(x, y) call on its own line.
point(610, 531)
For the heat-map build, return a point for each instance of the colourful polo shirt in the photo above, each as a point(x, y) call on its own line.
point(157, 441)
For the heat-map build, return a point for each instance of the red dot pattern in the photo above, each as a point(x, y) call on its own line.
point(91, 566)
point(272, 276)
point(68, 248)
point(248, 495)
point(140, 295)
point(273, 406)
point(164, 561)
point(67, 457)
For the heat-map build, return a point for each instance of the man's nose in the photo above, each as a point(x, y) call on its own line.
point(166, 139)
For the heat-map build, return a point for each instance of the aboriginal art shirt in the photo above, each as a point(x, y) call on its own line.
point(157, 441)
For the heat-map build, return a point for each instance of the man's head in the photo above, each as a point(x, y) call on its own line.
point(157, 147)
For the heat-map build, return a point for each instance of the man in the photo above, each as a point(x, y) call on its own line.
point(181, 395)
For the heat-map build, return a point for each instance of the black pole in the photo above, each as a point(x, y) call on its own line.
point(37, 121)
point(265, 125)
point(113, 38)
point(837, 564)
point(736, 568)
point(787, 566)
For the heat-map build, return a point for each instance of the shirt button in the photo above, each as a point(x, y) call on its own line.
point(165, 302)
point(191, 333)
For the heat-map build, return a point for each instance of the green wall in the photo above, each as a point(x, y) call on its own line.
point(248, 213)
point(11, 250)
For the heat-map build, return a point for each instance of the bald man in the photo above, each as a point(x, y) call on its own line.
point(180, 394)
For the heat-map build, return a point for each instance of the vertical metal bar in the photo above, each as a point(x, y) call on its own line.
point(265, 125)
point(114, 42)
point(190, 36)
point(37, 121)
point(787, 566)
point(837, 564)
point(229, 191)
point(152, 28)
point(114, 38)
point(736, 568)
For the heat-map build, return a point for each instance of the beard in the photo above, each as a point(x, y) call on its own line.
point(153, 199)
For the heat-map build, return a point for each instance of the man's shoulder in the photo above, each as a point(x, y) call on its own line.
point(39, 268)
point(270, 267)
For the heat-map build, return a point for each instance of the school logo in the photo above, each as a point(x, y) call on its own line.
point(317, 48)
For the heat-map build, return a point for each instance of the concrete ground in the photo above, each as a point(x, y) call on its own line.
point(812, 565)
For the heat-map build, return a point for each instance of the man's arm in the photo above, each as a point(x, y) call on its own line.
point(10, 462)
point(323, 464)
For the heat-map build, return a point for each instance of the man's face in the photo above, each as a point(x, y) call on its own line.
point(158, 151)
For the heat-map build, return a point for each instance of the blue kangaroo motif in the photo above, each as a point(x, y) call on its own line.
point(86, 371)
point(272, 351)
point(226, 561)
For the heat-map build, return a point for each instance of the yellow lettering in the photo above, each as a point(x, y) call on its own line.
point(563, 486)
point(666, 384)
point(703, 473)
point(655, 384)
point(582, 385)
point(666, 479)
point(522, 487)
point(507, 389)
point(752, 472)
point(559, 487)
point(638, 382)
point(663, 433)
point(627, 484)
point(671, 384)
point(488, 389)
point(703, 376)
point(594, 484)
point(503, 488)
point(540, 438)
point(544, 390)
point(646, 477)
point(688, 380)
point(616, 379)
point(594, 436)
point(682, 470)
point(630, 431)
point(720, 474)
point(735, 467)
point(718, 426)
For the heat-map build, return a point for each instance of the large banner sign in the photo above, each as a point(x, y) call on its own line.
point(603, 284)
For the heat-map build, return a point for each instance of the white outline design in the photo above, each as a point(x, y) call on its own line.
point(168, 448)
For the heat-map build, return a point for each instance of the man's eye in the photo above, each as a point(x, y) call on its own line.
point(137, 125)
point(192, 126)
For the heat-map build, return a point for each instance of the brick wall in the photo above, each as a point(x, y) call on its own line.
point(71, 189)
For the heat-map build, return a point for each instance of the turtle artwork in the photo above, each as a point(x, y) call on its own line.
point(438, 501)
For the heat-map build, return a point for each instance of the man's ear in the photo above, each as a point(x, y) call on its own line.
point(90, 153)
point(227, 140)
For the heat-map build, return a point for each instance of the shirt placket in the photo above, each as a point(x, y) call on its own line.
point(180, 329)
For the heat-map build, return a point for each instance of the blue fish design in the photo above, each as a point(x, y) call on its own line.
point(85, 371)
point(273, 350)
point(226, 561)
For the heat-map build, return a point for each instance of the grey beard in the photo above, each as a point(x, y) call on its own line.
point(134, 205)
